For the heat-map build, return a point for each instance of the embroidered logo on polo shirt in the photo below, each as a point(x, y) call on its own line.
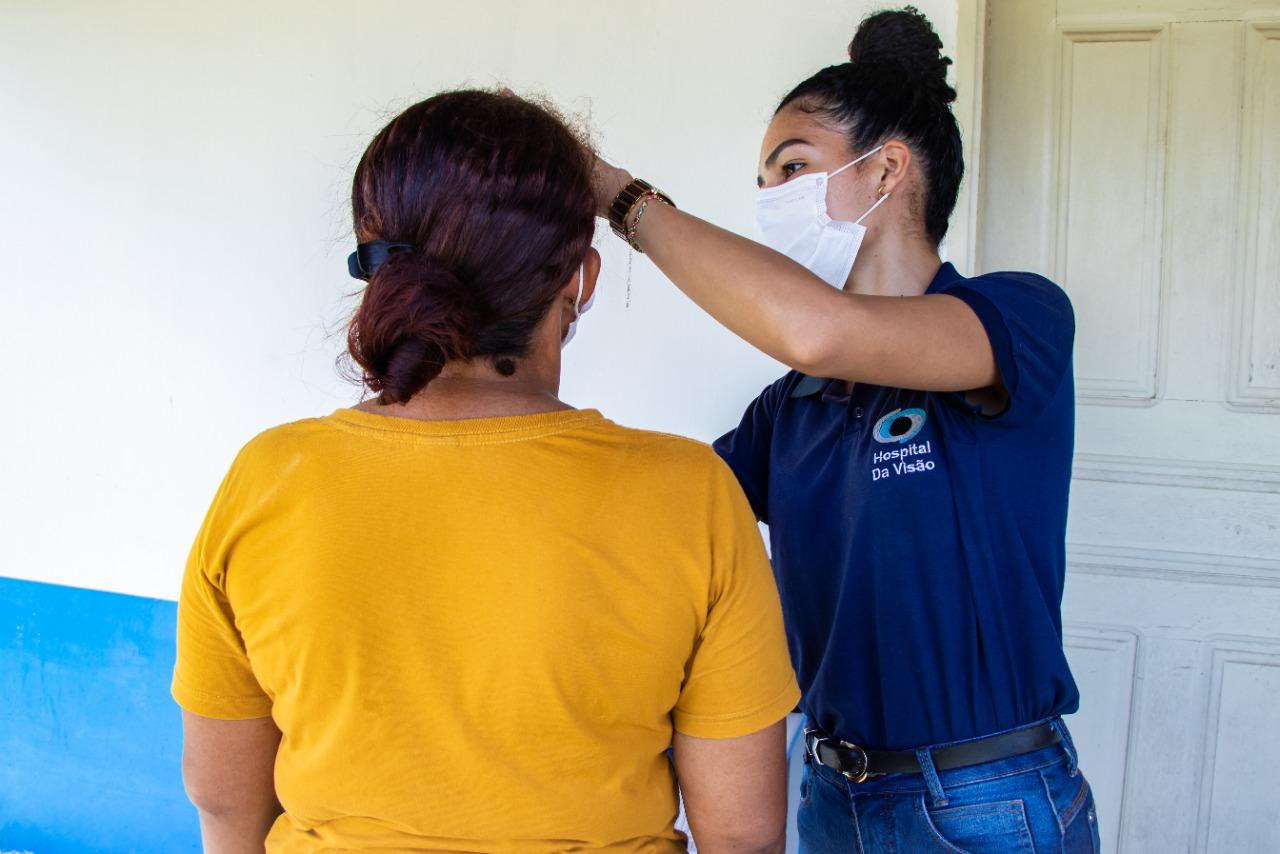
point(900, 425)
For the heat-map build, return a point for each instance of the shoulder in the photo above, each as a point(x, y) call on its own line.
point(678, 463)
point(669, 448)
point(782, 387)
point(780, 390)
point(254, 471)
point(280, 443)
point(262, 461)
point(1017, 291)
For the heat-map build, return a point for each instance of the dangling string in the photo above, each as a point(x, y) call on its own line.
point(630, 254)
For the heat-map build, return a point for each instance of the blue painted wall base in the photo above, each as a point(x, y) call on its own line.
point(90, 741)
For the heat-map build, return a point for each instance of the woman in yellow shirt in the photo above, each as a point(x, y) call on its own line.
point(463, 616)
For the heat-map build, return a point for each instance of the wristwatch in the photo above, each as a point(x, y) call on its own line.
point(626, 200)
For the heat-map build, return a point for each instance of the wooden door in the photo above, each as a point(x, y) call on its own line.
point(1131, 151)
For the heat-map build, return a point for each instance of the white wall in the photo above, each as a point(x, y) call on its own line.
point(174, 227)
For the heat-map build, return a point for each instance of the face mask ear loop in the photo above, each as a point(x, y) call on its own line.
point(878, 203)
point(853, 161)
point(582, 282)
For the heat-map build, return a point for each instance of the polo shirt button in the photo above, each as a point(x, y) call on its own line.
point(857, 412)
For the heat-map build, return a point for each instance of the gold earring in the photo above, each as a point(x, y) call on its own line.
point(880, 191)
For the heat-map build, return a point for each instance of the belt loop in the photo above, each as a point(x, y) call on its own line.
point(1069, 746)
point(924, 756)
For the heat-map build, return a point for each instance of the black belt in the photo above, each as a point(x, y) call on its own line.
point(857, 763)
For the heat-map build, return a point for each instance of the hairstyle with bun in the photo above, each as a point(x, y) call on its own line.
point(894, 86)
point(493, 193)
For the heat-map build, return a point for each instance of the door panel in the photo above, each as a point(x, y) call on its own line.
point(1131, 151)
point(1239, 811)
point(1256, 358)
point(1112, 79)
point(1104, 661)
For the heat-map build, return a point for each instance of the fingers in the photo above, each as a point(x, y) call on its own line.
point(609, 181)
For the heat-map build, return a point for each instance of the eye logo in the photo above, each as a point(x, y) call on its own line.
point(900, 425)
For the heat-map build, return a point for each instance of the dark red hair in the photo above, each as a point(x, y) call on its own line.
point(494, 194)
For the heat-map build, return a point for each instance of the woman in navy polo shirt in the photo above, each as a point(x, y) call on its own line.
point(913, 468)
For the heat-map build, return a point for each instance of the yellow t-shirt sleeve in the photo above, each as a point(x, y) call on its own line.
point(212, 676)
point(739, 679)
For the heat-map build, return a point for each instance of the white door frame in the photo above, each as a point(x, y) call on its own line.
point(971, 28)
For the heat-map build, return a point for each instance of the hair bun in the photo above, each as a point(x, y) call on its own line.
point(904, 40)
point(416, 316)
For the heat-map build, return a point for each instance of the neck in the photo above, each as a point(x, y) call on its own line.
point(475, 390)
point(896, 265)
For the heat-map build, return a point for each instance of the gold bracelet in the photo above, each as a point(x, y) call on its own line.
point(634, 194)
point(639, 208)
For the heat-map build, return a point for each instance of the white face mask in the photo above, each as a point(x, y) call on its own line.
point(579, 307)
point(793, 218)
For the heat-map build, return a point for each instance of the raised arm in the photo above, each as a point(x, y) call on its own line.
point(786, 311)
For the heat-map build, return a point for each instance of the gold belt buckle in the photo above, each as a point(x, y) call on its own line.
point(859, 775)
point(863, 771)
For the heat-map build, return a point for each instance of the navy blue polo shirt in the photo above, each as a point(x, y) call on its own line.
point(918, 544)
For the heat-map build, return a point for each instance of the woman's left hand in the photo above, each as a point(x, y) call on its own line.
point(608, 181)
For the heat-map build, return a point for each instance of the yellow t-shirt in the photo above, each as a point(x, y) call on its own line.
point(479, 635)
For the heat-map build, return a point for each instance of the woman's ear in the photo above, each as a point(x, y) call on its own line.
point(896, 159)
point(591, 273)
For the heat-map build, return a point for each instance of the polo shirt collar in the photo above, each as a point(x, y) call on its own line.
point(809, 386)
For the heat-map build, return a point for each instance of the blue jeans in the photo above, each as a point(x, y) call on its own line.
point(1037, 802)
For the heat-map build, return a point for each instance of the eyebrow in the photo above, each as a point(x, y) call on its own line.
point(772, 158)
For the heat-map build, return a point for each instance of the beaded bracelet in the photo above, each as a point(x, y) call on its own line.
point(638, 211)
point(635, 195)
